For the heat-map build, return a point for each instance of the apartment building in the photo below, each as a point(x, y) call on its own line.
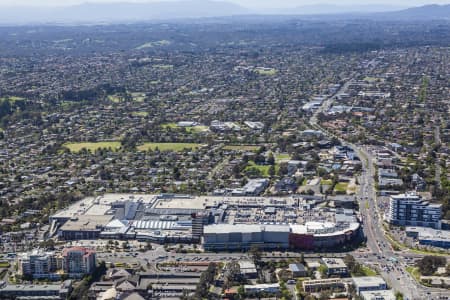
point(410, 209)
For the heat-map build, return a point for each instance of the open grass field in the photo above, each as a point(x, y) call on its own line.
point(341, 187)
point(115, 98)
point(370, 79)
point(282, 157)
point(189, 129)
point(326, 182)
point(169, 125)
point(263, 169)
point(163, 67)
point(11, 98)
point(76, 147)
point(241, 147)
point(138, 97)
point(168, 146)
point(139, 114)
point(267, 72)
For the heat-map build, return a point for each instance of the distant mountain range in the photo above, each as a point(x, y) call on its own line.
point(426, 12)
point(321, 9)
point(179, 9)
point(122, 12)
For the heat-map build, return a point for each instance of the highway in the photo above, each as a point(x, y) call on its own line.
point(392, 265)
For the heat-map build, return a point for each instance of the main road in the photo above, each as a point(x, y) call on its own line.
point(392, 265)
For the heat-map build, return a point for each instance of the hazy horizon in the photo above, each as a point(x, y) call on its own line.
point(252, 4)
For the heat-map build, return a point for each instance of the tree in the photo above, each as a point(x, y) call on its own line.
point(271, 171)
point(398, 296)
point(323, 271)
point(325, 295)
point(255, 254)
point(302, 258)
point(282, 169)
point(241, 292)
point(232, 274)
point(350, 261)
point(207, 277)
point(428, 265)
point(149, 246)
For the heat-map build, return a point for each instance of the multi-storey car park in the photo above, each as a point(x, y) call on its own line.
point(218, 222)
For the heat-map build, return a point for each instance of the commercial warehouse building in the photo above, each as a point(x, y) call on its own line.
point(243, 236)
point(220, 222)
point(36, 291)
point(378, 295)
point(429, 236)
point(369, 283)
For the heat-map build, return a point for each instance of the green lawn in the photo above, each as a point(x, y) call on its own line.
point(341, 187)
point(263, 169)
point(241, 147)
point(138, 97)
point(12, 98)
point(169, 125)
point(167, 146)
point(115, 98)
point(282, 156)
point(4, 264)
point(326, 182)
point(139, 114)
point(189, 129)
point(428, 252)
point(76, 147)
point(370, 79)
point(163, 67)
point(268, 72)
point(368, 271)
point(414, 271)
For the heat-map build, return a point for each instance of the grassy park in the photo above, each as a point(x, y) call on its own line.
point(77, 147)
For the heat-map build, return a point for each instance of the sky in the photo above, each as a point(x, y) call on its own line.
point(246, 3)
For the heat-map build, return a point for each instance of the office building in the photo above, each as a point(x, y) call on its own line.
point(317, 285)
point(298, 270)
point(369, 283)
point(269, 288)
point(335, 266)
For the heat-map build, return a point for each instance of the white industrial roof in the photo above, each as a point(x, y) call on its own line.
point(368, 281)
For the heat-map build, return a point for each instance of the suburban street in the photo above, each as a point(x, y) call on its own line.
point(391, 264)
